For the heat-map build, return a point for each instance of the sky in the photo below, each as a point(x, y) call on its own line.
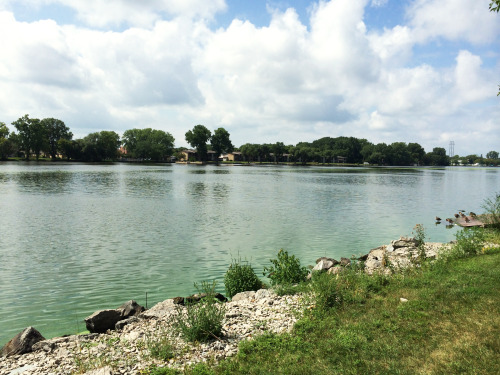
point(424, 71)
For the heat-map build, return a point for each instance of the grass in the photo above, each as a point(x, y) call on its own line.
point(450, 324)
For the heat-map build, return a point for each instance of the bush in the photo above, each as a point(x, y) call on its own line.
point(201, 321)
point(492, 207)
point(286, 269)
point(240, 278)
point(469, 242)
point(326, 291)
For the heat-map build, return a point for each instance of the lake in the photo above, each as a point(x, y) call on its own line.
point(76, 238)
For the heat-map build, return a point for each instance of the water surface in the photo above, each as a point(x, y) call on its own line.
point(75, 238)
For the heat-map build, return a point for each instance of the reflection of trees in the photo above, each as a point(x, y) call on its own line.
point(44, 182)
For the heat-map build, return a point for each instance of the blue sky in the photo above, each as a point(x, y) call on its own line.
point(423, 71)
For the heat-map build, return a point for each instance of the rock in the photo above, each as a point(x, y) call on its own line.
point(324, 265)
point(403, 300)
point(101, 321)
point(363, 258)
point(101, 371)
point(404, 242)
point(375, 260)
point(335, 262)
point(178, 300)
point(243, 296)
point(131, 308)
point(22, 342)
point(345, 262)
point(122, 323)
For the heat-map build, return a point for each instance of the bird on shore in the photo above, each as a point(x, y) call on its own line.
point(467, 220)
point(457, 216)
point(462, 214)
point(472, 214)
point(449, 220)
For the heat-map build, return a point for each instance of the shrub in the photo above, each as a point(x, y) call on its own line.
point(492, 207)
point(201, 321)
point(240, 278)
point(469, 242)
point(160, 347)
point(286, 269)
point(326, 291)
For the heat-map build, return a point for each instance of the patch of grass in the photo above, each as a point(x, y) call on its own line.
point(449, 325)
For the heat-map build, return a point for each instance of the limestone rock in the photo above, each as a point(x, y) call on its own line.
point(345, 262)
point(131, 308)
point(324, 265)
point(22, 342)
point(101, 321)
point(334, 261)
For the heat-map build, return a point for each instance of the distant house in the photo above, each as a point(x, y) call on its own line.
point(341, 159)
point(233, 156)
point(192, 155)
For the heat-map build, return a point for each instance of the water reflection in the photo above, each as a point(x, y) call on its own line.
point(44, 182)
point(145, 185)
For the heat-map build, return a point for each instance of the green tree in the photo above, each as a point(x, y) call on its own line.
point(101, 146)
point(437, 157)
point(148, 143)
point(31, 136)
point(400, 154)
point(278, 149)
point(220, 142)
point(6, 144)
point(417, 153)
point(492, 154)
point(55, 130)
point(198, 138)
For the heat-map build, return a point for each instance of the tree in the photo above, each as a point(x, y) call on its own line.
point(278, 149)
point(220, 142)
point(198, 138)
point(492, 154)
point(55, 130)
point(437, 157)
point(148, 144)
point(6, 144)
point(31, 135)
point(417, 153)
point(101, 146)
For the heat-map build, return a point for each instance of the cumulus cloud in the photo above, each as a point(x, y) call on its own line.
point(453, 20)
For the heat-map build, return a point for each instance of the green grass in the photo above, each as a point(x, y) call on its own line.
point(450, 325)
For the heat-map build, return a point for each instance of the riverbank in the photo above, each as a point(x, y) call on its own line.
point(433, 310)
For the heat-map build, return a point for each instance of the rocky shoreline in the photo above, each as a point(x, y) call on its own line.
point(128, 349)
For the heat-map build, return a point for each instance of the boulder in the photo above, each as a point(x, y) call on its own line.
point(324, 265)
point(101, 321)
point(178, 301)
point(345, 262)
point(122, 323)
point(335, 262)
point(131, 308)
point(22, 342)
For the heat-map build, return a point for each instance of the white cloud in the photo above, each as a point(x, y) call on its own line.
point(454, 20)
point(285, 82)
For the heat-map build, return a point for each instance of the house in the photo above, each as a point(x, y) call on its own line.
point(233, 156)
point(192, 155)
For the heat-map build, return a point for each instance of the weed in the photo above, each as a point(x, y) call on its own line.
point(160, 347)
point(492, 207)
point(419, 236)
point(240, 278)
point(155, 370)
point(469, 242)
point(201, 321)
point(286, 269)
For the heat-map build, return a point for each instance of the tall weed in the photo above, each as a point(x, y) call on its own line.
point(285, 269)
point(201, 321)
point(240, 277)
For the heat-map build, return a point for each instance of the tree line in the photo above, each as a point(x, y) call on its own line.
point(51, 137)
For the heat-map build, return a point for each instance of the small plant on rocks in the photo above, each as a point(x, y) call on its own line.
point(286, 269)
point(240, 277)
point(201, 321)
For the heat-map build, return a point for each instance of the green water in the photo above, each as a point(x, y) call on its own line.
point(76, 238)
